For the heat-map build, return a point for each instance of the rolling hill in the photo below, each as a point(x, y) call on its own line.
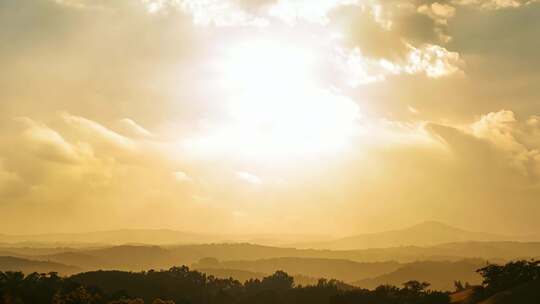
point(423, 234)
point(441, 275)
point(527, 293)
point(8, 263)
point(343, 270)
point(137, 258)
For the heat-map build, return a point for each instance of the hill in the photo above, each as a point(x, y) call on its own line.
point(343, 270)
point(441, 275)
point(527, 293)
point(423, 234)
point(135, 258)
point(8, 263)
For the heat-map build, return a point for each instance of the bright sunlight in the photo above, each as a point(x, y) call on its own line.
point(276, 106)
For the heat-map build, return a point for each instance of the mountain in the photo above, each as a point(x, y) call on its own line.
point(423, 234)
point(343, 270)
point(8, 263)
point(441, 275)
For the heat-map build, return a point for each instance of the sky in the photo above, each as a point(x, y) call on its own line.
point(330, 117)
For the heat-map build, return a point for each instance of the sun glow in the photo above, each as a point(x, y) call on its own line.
point(276, 106)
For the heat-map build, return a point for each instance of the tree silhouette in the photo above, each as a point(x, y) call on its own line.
point(181, 285)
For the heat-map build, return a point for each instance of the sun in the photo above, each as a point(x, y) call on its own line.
point(276, 105)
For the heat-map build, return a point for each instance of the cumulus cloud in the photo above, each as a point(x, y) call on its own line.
point(495, 4)
point(498, 140)
point(431, 60)
point(440, 13)
point(508, 134)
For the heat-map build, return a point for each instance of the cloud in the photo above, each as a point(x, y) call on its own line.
point(440, 13)
point(48, 144)
point(433, 60)
point(94, 131)
point(220, 13)
point(315, 11)
point(131, 128)
point(496, 139)
point(252, 13)
point(504, 131)
point(249, 178)
point(494, 4)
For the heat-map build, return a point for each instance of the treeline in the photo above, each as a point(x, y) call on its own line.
point(180, 285)
point(519, 278)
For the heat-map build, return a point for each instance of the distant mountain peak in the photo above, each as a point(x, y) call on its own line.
point(427, 233)
point(434, 225)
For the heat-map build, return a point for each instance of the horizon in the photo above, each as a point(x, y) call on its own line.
point(400, 228)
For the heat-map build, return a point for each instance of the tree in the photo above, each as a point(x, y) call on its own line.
point(78, 296)
point(498, 278)
point(415, 286)
point(458, 286)
point(280, 280)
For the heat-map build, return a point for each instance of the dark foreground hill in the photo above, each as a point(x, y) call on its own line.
point(516, 282)
point(513, 283)
point(525, 293)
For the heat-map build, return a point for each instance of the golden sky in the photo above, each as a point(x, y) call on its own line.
point(267, 116)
